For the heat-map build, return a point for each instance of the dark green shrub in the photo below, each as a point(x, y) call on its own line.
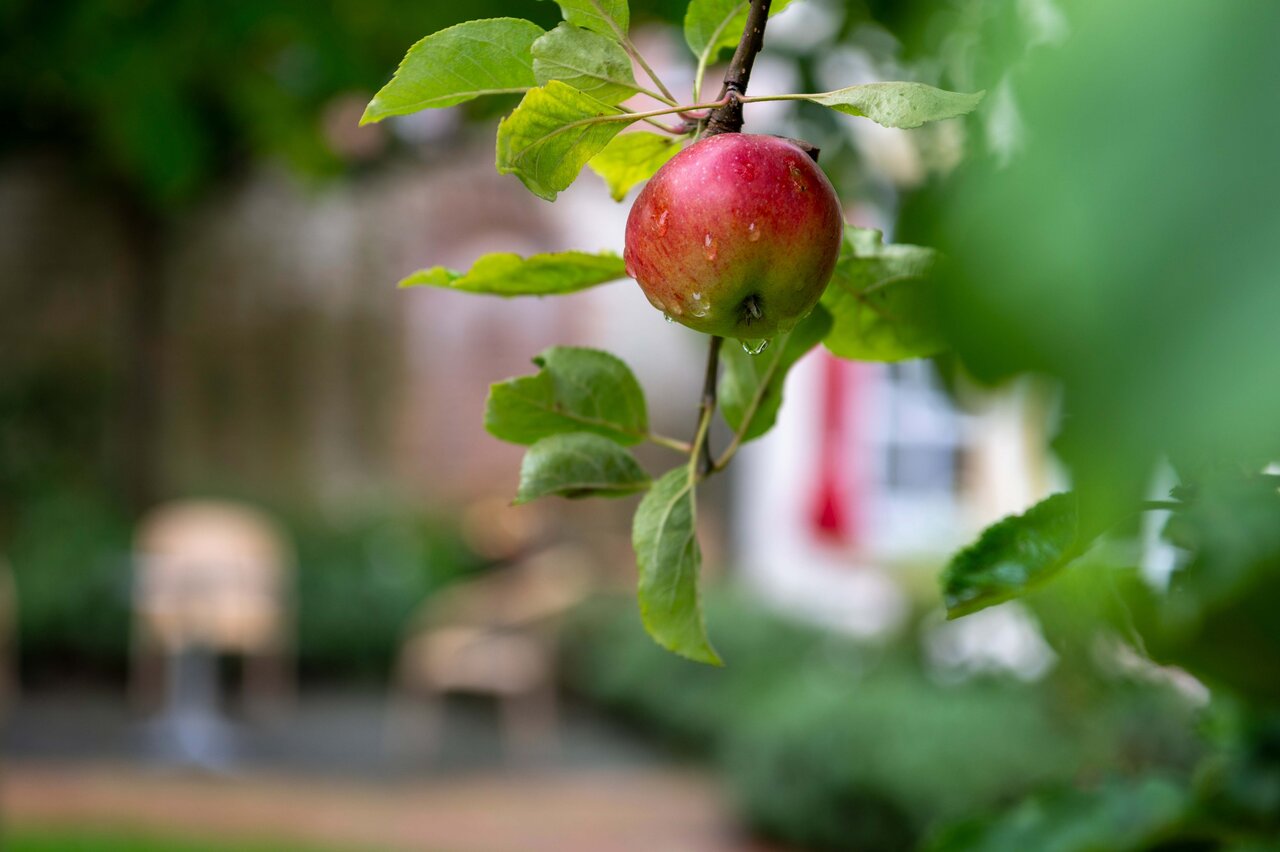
point(831, 744)
point(357, 583)
point(70, 556)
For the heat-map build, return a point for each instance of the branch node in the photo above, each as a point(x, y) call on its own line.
point(728, 118)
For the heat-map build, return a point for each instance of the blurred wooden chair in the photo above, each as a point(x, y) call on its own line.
point(494, 637)
point(212, 577)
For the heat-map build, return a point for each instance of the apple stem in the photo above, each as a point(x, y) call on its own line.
point(728, 118)
point(708, 405)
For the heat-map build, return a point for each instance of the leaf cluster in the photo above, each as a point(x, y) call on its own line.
point(583, 410)
point(576, 77)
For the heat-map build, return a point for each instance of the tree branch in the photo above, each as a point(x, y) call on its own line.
point(708, 404)
point(728, 118)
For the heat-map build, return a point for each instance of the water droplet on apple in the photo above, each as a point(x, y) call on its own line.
point(668, 318)
point(631, 270)
point(755, 347)
point(709, 247)
point(662, 222)
point(753, 233)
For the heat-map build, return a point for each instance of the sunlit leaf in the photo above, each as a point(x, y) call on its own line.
point(587, 61)
point(903, 105)
point(538, 275)
point(576, 390)
point(882, 301)
point(757, 380)
point(631, 158)
point(579, 464)
point(608, 17)
point(552, 134)
point(1013, 555)
point(486, 57)
point(670, 562)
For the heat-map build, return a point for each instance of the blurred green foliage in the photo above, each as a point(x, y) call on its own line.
point(359, 584)
point(50, 428)
point(832, 744)
point(1112, 233)
point(356, 586)
point(1115, 816)
point(163, 97)
point(160, 98)
point(70, 556)
point(1123, 248)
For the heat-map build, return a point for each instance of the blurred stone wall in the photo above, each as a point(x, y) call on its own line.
point(293, 370)
point(299, 370)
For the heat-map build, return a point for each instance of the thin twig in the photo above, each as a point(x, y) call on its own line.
point(682, 447)
point(629, 46)
point(665, 99)
point(631, 49)
point(753, 405)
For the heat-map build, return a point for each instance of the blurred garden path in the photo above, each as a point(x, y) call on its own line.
point(326, 776)
point(541, 811)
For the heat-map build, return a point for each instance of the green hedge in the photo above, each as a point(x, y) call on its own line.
point(357, 583)
point(830, 744)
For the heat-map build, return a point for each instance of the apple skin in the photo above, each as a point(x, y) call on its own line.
point(736, 236)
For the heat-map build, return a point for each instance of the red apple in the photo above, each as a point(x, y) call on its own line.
point(736, 236)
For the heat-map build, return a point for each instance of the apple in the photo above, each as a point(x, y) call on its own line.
point(736, 236)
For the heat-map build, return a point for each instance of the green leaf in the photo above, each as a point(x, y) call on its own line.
point(607, 17)
point(537, 275)
point(899, 104)
point(576, 390)
point(587, 61)
point(1217, 619)
point(882, 301)
point(1013, 555)
point(631, 158)
point(552, 134)
point(713, 25)
point(578, 464)
point(753, 383)
point(486, 57)
point(670, 561)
